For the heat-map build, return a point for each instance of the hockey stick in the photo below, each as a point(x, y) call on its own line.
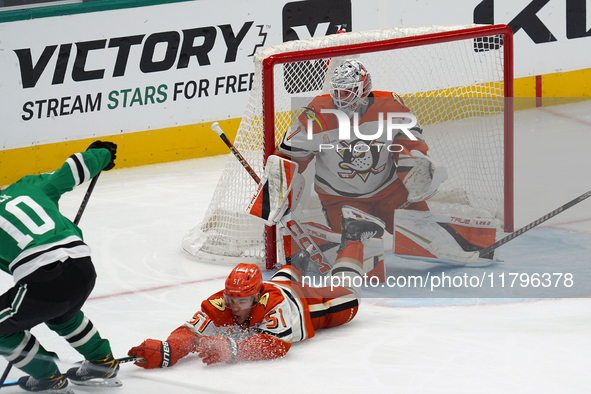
point(86, 198)
point(305, 241)
point(5, 375)
point(121, 360)
point(443, 251)
point(289, 221)
point(76, 221)
point(216, 127)
point(131, 359)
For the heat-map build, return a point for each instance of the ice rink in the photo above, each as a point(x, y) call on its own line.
point(147, 287)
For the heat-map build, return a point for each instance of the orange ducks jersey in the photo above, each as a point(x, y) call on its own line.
point(286, 312)
point(341, 168)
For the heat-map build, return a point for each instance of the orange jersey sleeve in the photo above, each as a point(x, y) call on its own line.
point(261, 347)
point(293, 145)
point(385, 102)
point(182, 341)
point(213, 316)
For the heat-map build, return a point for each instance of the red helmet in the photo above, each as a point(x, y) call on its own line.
point(245, 280)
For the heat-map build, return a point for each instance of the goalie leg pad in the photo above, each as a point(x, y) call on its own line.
point(417, 231)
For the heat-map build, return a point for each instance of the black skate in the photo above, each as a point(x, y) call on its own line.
point(357, 225)
point(299, 261)
point(56, 383)
point(98, 373)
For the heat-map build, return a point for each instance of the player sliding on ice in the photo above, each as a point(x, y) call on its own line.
point(53, 275)
point(255, 320)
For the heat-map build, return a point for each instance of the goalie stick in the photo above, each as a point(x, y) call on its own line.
point(121, 360)
point(289, 221)
point(443, 251)
point(215, 126)
point(76, 221)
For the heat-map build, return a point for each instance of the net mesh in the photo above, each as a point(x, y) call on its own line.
point(454, 88)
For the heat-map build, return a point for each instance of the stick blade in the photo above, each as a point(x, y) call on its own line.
point(456, 257)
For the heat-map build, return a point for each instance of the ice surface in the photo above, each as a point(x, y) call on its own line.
point(146, 287)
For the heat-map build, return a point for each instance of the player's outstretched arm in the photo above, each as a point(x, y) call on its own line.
point(162, 354)
point(78, 169)
point(219, 349)
point(111, 147)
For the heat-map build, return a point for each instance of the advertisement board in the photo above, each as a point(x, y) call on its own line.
point(143, 69)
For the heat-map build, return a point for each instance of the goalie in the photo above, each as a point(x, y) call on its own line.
point(368, 175)
point(255, 320)
point(378, 176)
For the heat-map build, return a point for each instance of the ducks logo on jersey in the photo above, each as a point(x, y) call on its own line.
point(359, 158)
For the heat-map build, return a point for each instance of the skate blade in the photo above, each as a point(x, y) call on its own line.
point(98, 382)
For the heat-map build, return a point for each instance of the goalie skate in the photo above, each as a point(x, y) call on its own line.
point(99, 373)
point(357, 225)
point(300, 260)
point(349, 212)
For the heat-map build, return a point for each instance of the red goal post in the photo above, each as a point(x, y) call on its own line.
point(457, 80)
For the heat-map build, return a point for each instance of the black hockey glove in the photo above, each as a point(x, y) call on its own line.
point(112, 147)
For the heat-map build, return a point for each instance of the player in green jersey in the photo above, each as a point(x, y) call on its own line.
point(53, 275)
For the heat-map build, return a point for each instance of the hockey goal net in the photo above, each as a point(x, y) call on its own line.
point(457, 81)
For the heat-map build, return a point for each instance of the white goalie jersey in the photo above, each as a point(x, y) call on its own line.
point(354, 167)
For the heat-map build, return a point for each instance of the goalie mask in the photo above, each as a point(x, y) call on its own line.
point(350, 86)
point(243, 286)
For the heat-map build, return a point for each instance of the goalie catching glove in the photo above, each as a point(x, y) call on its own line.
point(420, 175)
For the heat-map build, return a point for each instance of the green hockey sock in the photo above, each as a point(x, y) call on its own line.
point(83, 336)
point(26, 353)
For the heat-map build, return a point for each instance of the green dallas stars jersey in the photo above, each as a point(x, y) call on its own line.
point(33, 232)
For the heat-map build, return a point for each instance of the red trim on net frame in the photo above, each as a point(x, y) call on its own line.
point(538, 91)
point(396, 43)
